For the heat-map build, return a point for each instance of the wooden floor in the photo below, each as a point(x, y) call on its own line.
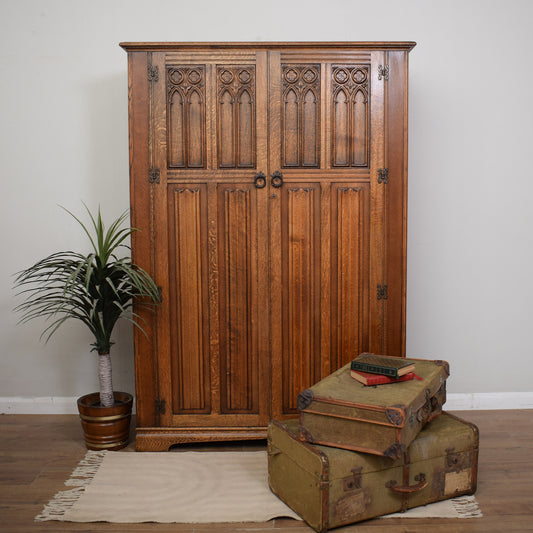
point(38, 453)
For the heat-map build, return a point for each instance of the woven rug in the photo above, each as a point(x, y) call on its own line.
point(187, 487)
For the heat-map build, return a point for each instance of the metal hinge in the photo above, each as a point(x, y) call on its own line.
point(160, 406)
point(153, 175)
point(383, 175)
point(153, 73)
point(382, 292)
point(383, 72)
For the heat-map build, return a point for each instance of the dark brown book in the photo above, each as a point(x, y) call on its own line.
point(383, 364)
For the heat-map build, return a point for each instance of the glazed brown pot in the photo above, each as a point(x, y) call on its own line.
point(106, 428)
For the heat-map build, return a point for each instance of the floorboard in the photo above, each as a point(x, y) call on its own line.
point(38, 453)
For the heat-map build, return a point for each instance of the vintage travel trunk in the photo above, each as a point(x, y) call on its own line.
point(330, 487)
point(382, 420)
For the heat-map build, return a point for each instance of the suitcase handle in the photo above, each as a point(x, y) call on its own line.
point(408, 489)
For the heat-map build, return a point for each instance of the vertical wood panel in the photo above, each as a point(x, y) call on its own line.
point(340, 129)
point(378, 194)
point(290, 134)
point(213, 284)
point(300, 285)
point(350, 229)
point(176, 130)
point(310, 130)
point(359, 128)
point(195, 130)
point(188, 299)
point(396, 230)
point(237, 344)
point(246, 116)
point(227, 154)
point(142, 253)
point(158, 234)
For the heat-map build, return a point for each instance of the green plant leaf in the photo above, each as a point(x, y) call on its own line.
point(97, 288)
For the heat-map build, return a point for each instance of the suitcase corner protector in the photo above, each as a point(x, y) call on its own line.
point(396, 414)
point(444, 364)
point(395, 451)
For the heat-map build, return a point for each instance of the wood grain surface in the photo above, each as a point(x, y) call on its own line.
point(38, 453)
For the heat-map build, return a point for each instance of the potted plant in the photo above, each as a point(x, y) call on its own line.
point(98, 289)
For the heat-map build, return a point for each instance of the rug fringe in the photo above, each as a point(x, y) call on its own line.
point(467, 507)
point(87, 468)
point(80, 478)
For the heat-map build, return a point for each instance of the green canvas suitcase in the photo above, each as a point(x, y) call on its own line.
point(382, 420)
point(330, 487)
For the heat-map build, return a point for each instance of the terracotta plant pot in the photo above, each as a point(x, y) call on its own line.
point(106, 428)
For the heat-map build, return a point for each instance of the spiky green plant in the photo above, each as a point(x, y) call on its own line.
point(97, 288)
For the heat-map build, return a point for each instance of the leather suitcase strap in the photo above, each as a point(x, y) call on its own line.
point(405, 489)
point(432, 406)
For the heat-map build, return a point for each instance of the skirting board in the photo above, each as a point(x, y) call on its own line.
point(454, 402)
point(55, 405)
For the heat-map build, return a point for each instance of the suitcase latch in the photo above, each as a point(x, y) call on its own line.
point(353, 482)
point(456, 462)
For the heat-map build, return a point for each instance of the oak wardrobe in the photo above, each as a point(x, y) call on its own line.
point(269, 188)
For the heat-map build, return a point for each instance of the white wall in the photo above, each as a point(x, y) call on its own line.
point(63, 140)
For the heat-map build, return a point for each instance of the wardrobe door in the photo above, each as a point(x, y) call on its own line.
point(326, 215)
point(209, 242)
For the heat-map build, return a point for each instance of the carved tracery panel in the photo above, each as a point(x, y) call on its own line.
point(350, 116)
point(186, 116)
point(301, 115)
point(236, 116)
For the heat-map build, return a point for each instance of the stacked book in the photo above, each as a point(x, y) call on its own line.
point(370, 369)
point(359, 451)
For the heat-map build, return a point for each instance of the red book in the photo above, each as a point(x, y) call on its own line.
point(379, 379)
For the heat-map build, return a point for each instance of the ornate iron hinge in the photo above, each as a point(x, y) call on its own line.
point(382, 292)
point(383, 175)
point(383, 72)
point(153, 73)
point(153, 175)
point(160, 406)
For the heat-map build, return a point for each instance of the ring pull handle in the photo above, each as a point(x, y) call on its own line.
point(408, 489)
point(277, 179)
point(260, 180)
